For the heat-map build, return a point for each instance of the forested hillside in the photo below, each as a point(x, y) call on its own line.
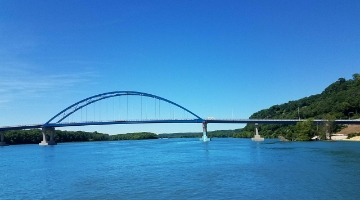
point(340, 100)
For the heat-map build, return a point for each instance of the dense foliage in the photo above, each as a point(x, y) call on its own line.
point(34, 136)
point(353, 135)
point(134, 136)
point(340, 100)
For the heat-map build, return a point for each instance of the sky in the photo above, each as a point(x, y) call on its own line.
point(220, 59)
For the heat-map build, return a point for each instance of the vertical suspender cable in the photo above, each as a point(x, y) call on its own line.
point(119, 107)
point(113, 110)
point(127, 107)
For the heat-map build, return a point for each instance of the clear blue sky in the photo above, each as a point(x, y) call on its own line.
point(221, 59)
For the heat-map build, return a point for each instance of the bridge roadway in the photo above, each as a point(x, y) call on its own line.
point(207, 121)
point(276, 121)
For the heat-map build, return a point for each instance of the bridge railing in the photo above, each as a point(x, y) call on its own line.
point(214, 119)
point(132, 120)
point(21, 125)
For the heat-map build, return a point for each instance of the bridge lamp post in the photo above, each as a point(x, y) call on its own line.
point(349, 114)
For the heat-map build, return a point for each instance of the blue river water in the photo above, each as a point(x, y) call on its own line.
point(181, 169)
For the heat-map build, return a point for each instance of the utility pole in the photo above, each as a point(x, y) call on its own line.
point(349, 114)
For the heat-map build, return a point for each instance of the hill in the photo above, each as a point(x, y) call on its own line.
point(340, 100)
point(350, 130)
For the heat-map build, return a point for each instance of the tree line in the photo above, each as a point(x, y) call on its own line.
point(134, 136)
point(211, 134)
point(34, 136)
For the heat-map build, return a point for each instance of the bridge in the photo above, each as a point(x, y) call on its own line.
point(147, 108)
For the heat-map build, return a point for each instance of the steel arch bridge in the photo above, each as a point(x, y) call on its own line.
point(59, 119)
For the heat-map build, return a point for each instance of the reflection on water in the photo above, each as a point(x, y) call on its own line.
point(182, 169)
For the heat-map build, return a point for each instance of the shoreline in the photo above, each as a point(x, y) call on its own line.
point(341, 138)
point(356, 138)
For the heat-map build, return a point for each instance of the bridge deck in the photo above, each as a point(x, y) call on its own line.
point(20, 127)
point(233, 121)
point(275, 121)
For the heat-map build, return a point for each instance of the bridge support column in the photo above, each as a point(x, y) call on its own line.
point(2, 143)
point(257, 137)
point(204, 138)
point(44, 141)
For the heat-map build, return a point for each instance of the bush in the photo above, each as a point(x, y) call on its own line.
point(353, 135)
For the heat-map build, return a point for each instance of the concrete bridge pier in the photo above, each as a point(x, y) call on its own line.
point(2, 143)
point(257, 137)
point(44, 141)
point(204, 138)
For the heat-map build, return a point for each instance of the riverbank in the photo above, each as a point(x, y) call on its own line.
point(350, 129)
point(343, 134)
point(356, 138)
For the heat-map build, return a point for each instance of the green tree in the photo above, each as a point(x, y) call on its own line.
point(305, 130)
point(327, 126)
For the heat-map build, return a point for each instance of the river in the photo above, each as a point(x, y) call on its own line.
point(181, 169)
